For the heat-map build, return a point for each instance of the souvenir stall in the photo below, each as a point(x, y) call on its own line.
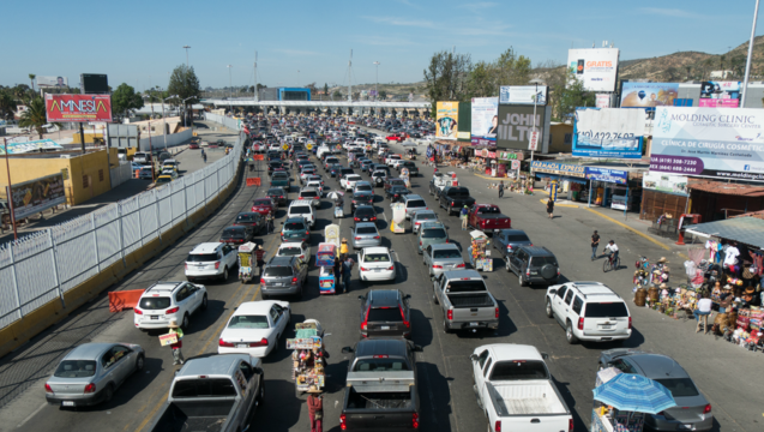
point(325, 256)
point(622, 400)
point(308, 356)
point(480, 252)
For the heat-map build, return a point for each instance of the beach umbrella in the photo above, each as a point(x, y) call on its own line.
point(629, 392)
point(333, 195)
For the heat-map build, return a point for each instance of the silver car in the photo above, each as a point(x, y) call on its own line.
point(442, 257)
point(422, 216)
point(365, 234)
point(91, 373)
point(414, 203)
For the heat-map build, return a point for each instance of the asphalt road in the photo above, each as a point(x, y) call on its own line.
point(726, 374)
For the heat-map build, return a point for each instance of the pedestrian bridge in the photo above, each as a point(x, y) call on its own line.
point(324, 106)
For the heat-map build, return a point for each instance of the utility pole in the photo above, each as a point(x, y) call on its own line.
point(257, 97)
point(376, 82)
point(230, 80)
point(350, 77)
point(750, 55)
point(9, 190)
point(186, 47)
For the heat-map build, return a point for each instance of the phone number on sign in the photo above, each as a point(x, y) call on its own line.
point(672, 168)
point(659, 160)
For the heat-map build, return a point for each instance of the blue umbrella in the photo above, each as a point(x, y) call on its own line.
point(629, 392)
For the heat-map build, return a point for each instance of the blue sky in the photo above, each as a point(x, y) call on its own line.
point(300, 42)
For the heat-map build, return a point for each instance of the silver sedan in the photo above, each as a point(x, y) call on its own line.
point(439, 258)
point(365, 234)
point(91, 373)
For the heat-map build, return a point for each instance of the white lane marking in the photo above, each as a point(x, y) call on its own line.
point(31, 415)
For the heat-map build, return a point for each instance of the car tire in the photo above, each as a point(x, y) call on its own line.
point(569, 336)
point(445, 327)
point(548, 308)
point(435, 299)
point(261, 391)
point(108, 393)
point(204, 303)
point(520, 280)
point(185, 323)
point(224, 276)
point(140, 362)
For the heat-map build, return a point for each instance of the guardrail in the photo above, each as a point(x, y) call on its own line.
point(41, 272)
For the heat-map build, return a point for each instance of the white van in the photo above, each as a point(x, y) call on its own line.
point(303, 209)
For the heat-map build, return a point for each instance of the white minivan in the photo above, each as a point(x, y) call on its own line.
point(303, 209)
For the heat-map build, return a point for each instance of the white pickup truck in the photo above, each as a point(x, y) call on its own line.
point(515, 390)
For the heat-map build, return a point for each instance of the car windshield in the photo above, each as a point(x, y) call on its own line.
point(154, 303)
point(248, 322)
point(364, 212)
point(518, 238)
point(294, 226)
point(280, 175)
point(376, 257)
point(300, 210)
point(366, 230)
point(679, 387)
point(434, 233)
point(456, 286)
point(247, 217)
point(263, 202)
point(277, 271)
point(75, 369)
point(380, 365)
point(203, 387)
point(202, 257)
point(277, 192)
point(308, 194)
point(233, 232)
point(443, 254)
point(385, 314)
point(543, 260)
point(290, 251)
point(425, 216)
point(415, 203)
point(163, 180)
point(519, 370)
point(397, 183)
point(606, 310)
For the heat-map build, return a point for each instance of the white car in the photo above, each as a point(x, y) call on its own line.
point(396, 163)
point(165, 302)
point(390, 160)
point(274, 147)
point(317, 185)
point(255, 328)
point(376, 264)
point(296, 249)
point(349, 180)
point(211, 261)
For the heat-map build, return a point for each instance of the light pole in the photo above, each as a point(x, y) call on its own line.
point(750, 55)
point(376, 81)
point(9, 193)
point(186, 113)
point(230, 80)
point(164, 123)
point(186, 47)
point(151, 148)
point(535, 82)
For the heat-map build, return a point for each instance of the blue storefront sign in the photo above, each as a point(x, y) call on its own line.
point(559, 169)
point(607, 175)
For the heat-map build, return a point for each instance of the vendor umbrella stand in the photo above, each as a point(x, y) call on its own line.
point(625, 399)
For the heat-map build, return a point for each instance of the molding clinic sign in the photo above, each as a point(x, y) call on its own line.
point(523, 95)
point(596, 67)
point(515, 124)
point(609, 133)
point(726, 143)
point(485, 121)
point(78, 108)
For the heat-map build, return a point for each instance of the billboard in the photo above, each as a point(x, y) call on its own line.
point(725, 143)
point(52, 82)
point(94, 84)
point(485, 121)
point(77, 108)
point(608, 133)
point(30, 146)
point(515, 124)
point(523, 95)
point(667, 183)
point(602, 100)
point(719, 94)
point(37, 195)
point(596, 67)
point(447, 117)
point(648, 95)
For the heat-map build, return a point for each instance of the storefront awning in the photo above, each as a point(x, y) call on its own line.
point(747, 230)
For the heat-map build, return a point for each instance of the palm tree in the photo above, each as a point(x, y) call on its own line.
point(31, 79)
point(34, 116)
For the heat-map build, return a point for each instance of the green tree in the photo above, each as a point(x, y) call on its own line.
point(383, 94)
point(7, 104)
point(571, 96)
point(480, 81)
point(31, 79)
point(446, 77)
point(125, 99)
point(34, 117)
point(337, 94)
point(511, 69)
point(185, 84)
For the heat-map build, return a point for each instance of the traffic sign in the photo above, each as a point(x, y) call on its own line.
point(285, 147)
point(534, 141)
point(309, 146)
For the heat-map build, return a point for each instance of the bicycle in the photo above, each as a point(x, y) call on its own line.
point(611, 264)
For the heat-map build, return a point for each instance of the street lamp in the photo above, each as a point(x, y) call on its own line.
point(536, 82)
point(151, 148)
point(186, 47)
point(186, 113)
point(750, 56)
point(376, 82)
point(230, 80)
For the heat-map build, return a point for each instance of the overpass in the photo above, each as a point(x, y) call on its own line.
point(323, 106)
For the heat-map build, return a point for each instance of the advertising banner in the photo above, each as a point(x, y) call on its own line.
point(515, 124)
point(77, 108)
point(559, 169)
point(596, 67)
point(523, 95)
point(510, 156)
point(726, 143)
point(607, 175)
point(485, 121)
point(37, 195)
point(52, 82)
point(648, 95)
point(719, 94)
point(667, 183)
point(447, 116)
point(602, 100)
point(30, 146)
point(608, 133)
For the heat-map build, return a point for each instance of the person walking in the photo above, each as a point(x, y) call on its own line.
point(703, 310)
point(260, 257)
point(501, 189)
point(269, 223)
point(550, 208)
point(595, 244)
point(343, 249)
point(316, 410)
point(177, 355)
point(347, 268)
point(464, 215)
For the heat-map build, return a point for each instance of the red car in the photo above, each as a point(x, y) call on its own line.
point(396, 137)
point(264, 206)
point(488, 217)
point(193, 146)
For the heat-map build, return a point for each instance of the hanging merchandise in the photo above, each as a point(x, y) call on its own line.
point(308, 357)
point(479, 253)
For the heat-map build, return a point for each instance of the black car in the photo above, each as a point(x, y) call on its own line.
point(275, 164)
point(334, 170)
point(533, 265)
point(365, 213)
point(277, 195)
point(385, 312)
point(411, 166)
point(254, 220)
point(237, 234)
point(361, 198)
point(507, 239)
point(396, 193)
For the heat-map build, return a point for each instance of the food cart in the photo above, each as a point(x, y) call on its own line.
point(308, 356)
point(327, 253)
point(247, 262)
point(479, 251)
point(399, 218)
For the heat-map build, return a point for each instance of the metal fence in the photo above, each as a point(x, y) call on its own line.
point(42, 267)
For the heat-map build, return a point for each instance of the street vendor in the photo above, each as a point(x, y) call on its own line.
point(260, 258)
point(343, 249)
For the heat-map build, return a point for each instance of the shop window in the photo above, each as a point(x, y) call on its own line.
point(568, 138)
point(85, 182)
point(100, 175)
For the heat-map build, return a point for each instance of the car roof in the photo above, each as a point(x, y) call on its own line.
point(280, 261)
point(513, 231)
point(204, 248)
point(412, 197)
point(88, 351)
point(594, 291)
point(362, 193)
point(509, 351)
point(441, 246)
point(364, 207)
point(384, 297)
point(424, 212)
point(291, 244)
point(300, 202)
point(363, 182)
point(537, 250)
point(366, 225)
point(657, 366)
point(390, 346)
point(295, 219)
point(308, 189)
point(376, 249)
point(433, 224)
point(217, 364)
point(458, 274)
point(257, 307)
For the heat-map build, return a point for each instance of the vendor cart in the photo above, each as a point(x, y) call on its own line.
point(247, 262)
point(399, 218)
point(327, 253)
point(412, 154)
point(479, 251)
point(308, 357)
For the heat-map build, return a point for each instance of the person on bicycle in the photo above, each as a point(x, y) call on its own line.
point(611, 250)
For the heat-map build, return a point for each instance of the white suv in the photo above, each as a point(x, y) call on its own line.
point(589, 311)
point(303, 209)
point(165, 302)
point(211, 261)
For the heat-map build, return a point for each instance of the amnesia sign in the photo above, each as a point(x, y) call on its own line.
point(77, 108)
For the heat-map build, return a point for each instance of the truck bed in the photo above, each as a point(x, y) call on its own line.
point(523, 398)
point(378, 401)
point(470, 300)
point(207, 416)
point(379, 411)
